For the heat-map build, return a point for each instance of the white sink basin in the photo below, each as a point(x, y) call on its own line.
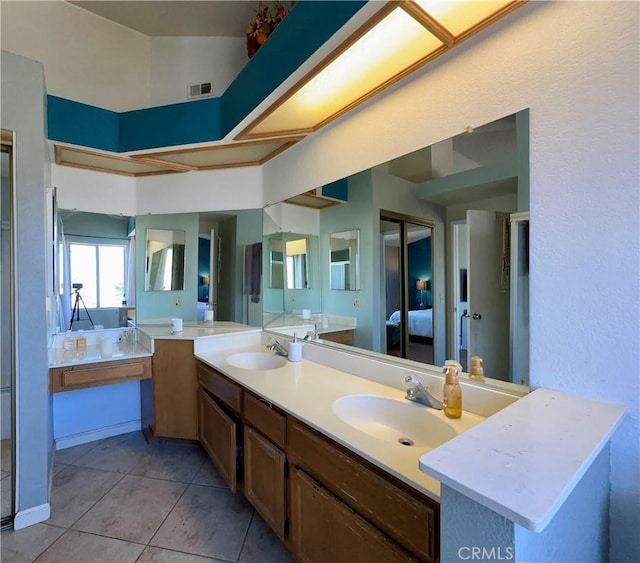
point(256, 360)
point(393, 420)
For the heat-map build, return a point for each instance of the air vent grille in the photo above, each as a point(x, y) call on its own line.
point(199, 90)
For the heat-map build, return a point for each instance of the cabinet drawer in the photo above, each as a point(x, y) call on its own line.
point(406, 518)
point(324, 529)
point(224, 389)
point(266, 419)
point(103, 373)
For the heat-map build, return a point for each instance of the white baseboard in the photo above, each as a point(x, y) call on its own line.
point(32, 516)
point(97, 434)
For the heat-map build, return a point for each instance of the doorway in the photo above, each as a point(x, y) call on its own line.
point(7, 379)
point(407, 248)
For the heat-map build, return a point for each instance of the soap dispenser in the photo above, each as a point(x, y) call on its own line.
point(477, 371)
point(452, 393)
point(295, 349)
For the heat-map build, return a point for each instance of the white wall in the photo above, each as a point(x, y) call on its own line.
point(576, 66)
point(86, 58)
point(178, 61)
point(90, 59)
point(212, 190)
point(96, 192)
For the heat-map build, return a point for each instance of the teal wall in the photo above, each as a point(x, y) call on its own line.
point(83, 223)
point(162, 304)
point(419, 268)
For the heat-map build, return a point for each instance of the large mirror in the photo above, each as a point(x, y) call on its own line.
point(438, 230)
point(343, 260)
point(222, 268)
point(164, 260)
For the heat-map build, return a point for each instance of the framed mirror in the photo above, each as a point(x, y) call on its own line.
point(343, 260)
point(164, 260)
point(297, 267)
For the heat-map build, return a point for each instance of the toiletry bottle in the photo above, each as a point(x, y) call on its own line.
point(295, 349)
point(81, 342)
point(452, 393)
point(477, 371)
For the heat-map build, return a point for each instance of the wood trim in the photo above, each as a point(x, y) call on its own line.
point(95, 374)
point(177, 166)
point(434, 26)
point(490, 20)
point(160, 154)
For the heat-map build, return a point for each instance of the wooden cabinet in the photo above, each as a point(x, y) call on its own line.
point(175, 389)
point(407, 517)
point(219, 437)
point(264, 479)
point(324, 529)
point(324, 501)
point(82, 376)
point(339, 336)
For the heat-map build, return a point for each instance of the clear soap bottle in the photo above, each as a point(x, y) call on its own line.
point(476, 372)
point(452, 393)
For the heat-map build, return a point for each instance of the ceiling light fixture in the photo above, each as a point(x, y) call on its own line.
point(397, 40)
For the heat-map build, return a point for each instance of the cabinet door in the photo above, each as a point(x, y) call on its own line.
point(323, 529)
point(218, 433)
point(175, 389)
point(264, 479)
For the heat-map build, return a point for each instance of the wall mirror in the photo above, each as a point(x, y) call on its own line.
point(452, 209)
point(343, 260)
point(164, 260)
point(296, 259)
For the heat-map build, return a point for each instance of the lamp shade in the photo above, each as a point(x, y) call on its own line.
point(205, 280)
point(421, 285)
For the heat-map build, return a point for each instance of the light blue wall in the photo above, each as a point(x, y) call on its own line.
point(297, 299)
point(358, 213)
point(89, 414)
point(162, 304)
point(23, 111)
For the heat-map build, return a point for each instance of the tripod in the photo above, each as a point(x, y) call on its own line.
point(75, 312)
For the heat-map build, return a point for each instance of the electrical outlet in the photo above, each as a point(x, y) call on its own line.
point(178, 301)
point(356, 302)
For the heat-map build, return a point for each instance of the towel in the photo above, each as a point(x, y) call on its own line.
point(253, 271)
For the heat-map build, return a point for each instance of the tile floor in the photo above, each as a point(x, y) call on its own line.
point(121, 499)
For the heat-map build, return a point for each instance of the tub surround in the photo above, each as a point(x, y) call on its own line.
point(533, 454)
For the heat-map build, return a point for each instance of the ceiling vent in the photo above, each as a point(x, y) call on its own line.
point(199, 90)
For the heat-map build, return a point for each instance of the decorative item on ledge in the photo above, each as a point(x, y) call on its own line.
point(262, 25)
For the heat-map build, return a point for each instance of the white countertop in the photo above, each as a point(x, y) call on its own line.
point(193, 330)
point(307, 391)
point(524, 461)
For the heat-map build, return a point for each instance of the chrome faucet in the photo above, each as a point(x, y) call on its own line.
point(278, 348)
point(312, 335)
point(419, 393)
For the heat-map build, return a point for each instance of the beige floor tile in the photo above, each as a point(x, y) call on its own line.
point(23, 546)
point(172, 462)
point(159, 555)
point(119, 453)
point(57, 467)
point(69, 455)
point(75, 490)
point(208, 521)
point(133, 510)
point(208, 475)
point(78, 547)
point(262, 545)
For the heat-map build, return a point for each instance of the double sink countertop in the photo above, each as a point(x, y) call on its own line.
point(308, 390)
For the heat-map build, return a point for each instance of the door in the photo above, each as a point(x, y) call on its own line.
point(488, 291)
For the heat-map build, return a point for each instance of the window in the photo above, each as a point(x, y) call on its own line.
point(100, 268)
